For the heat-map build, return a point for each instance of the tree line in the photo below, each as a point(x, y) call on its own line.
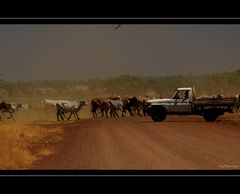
point(226, 83)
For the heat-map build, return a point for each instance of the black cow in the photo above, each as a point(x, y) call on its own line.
point(5, 107)
point(132, 105)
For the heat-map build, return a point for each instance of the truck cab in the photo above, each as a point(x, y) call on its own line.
point(180, 102)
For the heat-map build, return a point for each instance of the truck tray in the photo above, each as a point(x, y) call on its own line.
point(215, 101)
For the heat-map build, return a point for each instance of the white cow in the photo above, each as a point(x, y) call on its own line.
point(115, 106)
point(52, 104)
point(70, 106)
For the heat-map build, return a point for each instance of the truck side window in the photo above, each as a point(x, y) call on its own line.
point(186, 96)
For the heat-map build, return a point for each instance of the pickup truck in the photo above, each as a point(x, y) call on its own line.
point(184, 102)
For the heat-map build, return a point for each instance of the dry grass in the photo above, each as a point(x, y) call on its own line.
point(31, 136)
point(22, 144)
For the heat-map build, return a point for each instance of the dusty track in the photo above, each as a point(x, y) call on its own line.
point(139, 143)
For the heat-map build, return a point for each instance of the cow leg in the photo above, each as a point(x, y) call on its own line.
point(58, 116)
point(134, 111)
point(102, 111)
point(11, 115)
point(74, 114)
point(62, 116)
point(130, 111)
point(139, 112)
point(70, 115)
point(144, 113)
point(111, 113)
point(123, 112)
point(117, 113)
point(77, 116)
point(106, 112)
point(95, 113)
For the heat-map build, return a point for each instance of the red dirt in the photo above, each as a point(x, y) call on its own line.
point(186, 142)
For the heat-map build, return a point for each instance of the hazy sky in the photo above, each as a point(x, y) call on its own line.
point(36, 52)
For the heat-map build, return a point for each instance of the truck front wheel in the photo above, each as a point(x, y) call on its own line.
point(158, 113)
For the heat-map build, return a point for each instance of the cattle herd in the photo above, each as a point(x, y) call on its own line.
point(113, 107)
point(100, 107)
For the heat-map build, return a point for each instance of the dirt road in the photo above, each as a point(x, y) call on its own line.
point(139, 143)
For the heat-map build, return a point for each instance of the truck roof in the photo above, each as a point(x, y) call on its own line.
point(189, 88)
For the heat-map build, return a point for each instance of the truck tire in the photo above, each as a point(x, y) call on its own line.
point(158, 113)
point(210, 116)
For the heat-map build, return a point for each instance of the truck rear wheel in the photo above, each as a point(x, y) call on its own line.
point(210, 116)
point(158, 114)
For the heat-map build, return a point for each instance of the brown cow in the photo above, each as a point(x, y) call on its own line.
point(132, 105)
point(101, 104)
point(104, 105)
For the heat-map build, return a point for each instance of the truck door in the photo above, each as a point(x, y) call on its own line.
point(181, 102)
